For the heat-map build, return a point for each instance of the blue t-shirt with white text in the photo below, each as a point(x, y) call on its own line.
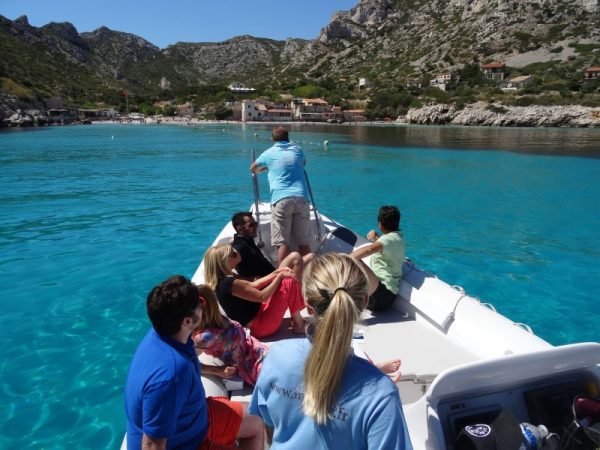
point(367, 413)
point(285, 162)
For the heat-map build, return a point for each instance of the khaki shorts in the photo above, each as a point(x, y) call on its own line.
point(290, 218)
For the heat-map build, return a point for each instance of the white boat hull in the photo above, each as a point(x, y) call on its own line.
point(461, 360)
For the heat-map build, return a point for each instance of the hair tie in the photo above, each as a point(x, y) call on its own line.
point(341, 288)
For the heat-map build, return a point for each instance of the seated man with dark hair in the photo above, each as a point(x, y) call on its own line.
point(385, 267)
point(254, 264)
point(165, 401)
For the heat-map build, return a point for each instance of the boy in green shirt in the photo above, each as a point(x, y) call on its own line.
point(387, 259)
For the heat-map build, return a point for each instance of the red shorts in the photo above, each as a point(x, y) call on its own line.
point(268, 320)
point(224, 420)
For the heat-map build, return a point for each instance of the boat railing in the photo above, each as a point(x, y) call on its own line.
point(256, 200)
point(312, 201)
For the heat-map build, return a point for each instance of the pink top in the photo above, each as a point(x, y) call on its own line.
point(234, 347)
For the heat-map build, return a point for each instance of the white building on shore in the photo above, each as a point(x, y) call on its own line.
point(314, 110)
point(239, 88)
point(301, 109)
point(259, 110)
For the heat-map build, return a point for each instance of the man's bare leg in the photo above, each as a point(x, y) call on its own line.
point(251, 435)
point(294, 262)
point(297, 263)
point(282, 251)
point(308, 258)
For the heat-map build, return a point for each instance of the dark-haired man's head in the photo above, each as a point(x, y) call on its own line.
point(244, 224)
point(389, 218)
point(170, 302)
point(280, 134)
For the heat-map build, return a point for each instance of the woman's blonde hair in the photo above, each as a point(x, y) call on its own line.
point(335, 286)
point(216, 265)
point(211, 314)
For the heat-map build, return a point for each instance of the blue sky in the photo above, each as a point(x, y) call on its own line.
point(169, 21)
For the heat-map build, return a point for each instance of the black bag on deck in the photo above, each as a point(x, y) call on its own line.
point(584, 432)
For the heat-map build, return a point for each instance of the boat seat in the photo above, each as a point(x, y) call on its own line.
point(391, 334)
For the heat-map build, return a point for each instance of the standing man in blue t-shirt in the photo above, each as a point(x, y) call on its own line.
point(164, 398)
point(290, 217)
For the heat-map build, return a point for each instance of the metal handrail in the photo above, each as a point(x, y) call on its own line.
point(312, 201)
point(524, 326)
point(256, 199)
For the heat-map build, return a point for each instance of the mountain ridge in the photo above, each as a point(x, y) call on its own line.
point(386, 41)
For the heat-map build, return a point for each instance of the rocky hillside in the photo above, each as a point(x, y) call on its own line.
point(387, 41)
point(398, 39)
point(116, 59)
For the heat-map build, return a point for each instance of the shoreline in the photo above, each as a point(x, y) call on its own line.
point(479, 114)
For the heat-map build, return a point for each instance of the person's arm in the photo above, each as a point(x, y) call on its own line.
point(260, 283)
point(150, 443)
point(372, 235)
point(255, 168)
point(219, 371)
point(367, 250)
point(247, 290)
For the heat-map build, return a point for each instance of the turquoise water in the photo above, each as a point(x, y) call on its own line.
point(92, 217)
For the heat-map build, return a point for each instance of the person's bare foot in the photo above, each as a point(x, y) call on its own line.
point(391, 368)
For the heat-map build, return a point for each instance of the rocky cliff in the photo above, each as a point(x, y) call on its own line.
point(131, 60)
point(484, 114)
point(390, 39)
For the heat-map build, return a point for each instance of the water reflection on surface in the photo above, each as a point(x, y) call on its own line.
point(542, 141)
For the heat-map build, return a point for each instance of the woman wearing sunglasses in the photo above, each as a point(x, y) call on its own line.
point(258, 305)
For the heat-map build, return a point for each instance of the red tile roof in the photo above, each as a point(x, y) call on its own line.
point(593, 69)
point(493, 66)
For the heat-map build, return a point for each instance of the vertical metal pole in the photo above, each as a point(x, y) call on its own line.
point(312, 201)
point(256, 199)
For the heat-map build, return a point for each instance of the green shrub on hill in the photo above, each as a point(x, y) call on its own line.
point(307, 91)
point(10, 87)
point(554, 33)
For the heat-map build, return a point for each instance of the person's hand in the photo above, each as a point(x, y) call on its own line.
point(372, 235)
point(228, 371)
point(283, 272)
point(287, 274)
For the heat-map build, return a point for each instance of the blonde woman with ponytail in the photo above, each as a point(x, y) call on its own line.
point(314, 392)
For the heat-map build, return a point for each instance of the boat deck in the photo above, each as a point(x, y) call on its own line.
point(391, 334)
point(384, 336)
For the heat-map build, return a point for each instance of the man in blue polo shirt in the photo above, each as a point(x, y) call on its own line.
point(290, 212)
point(164, 398)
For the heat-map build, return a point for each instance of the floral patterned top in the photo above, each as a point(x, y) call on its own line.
point(235, 347)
